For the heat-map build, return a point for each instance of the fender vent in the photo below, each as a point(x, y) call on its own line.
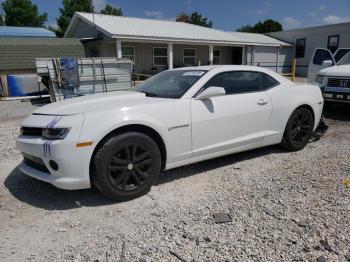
point(35, 162)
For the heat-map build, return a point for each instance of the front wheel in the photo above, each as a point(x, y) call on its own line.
point(298, 130)
point(126, 166)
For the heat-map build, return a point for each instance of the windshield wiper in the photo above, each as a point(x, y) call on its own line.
point(149, 94)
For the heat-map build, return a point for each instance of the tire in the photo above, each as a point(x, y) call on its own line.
point(126, 166)
point(298, 130)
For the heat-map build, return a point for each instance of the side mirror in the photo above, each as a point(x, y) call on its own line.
point(211, 92)
point(327, 63)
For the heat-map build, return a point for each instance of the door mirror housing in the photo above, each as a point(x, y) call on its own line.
point(212, 91)
point(327, 63)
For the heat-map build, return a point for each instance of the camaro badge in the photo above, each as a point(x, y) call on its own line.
point(177, 127)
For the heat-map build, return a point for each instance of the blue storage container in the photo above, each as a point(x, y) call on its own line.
point(23, 85)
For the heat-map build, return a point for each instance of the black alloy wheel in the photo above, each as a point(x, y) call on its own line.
point(298, 130)
point(126, 166)
point(130, 167)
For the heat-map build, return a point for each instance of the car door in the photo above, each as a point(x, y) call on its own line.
point(340, 53)
point(316, 63)
point(233, 120)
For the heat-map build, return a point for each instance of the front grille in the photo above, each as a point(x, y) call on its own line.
point(35, 162)
point(337, 82)
point(31, 131)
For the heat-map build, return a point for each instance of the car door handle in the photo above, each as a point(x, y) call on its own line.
point(262, 102)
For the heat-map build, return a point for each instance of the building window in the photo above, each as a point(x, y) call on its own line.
point(92, 52)
point(128, 52)
point(300, 48)
point(160, 56)
point(217, 57)
point(333, 43)
point(189, 56)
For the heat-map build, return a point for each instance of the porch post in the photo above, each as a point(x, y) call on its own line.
point(211, 54)
point(170, 56)
point(252, 55)
point(119, 49)
point(277, 58)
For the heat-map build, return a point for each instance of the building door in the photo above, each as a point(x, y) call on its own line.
point(237, 53)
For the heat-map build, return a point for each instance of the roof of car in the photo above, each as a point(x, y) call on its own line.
point(224, 68)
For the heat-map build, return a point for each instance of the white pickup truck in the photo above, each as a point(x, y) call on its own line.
point(332, 73)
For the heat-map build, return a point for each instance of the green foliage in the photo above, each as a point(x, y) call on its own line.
point(183, 17)
point(267, 26)
point(67, 11)
point(246, 28)
point(110, 10)
point(195, 18)
point(2, 23)
point(198, 19)
point(22, 13)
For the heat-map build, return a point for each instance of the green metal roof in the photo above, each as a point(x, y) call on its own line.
point(20, 52)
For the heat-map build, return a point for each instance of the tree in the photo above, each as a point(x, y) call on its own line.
point(2, 23)
point(110, 10)
point(246, 28)
point(267, 26)
point(67, 11)
point(183, 17)
point(198, 19)
point(22, 13)
point(195, 18)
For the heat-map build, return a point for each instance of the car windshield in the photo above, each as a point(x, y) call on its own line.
point(345, 60)
point(170, 84)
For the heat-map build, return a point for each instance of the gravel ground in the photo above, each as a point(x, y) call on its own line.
point(284, 207)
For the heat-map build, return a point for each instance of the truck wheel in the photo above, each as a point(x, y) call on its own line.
point(126, 166)
point(298, 130)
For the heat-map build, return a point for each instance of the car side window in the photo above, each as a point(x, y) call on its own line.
point(236, 82)
point(320, 56)
point(268, 82)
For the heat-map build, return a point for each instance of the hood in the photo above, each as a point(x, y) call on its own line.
point(113, 100)
point(338, 70)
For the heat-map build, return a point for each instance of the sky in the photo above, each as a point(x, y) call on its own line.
point(226, 14)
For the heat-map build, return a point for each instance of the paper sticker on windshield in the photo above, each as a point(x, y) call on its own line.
point(193, 73)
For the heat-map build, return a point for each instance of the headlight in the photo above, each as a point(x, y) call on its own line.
point(319, 79)
point(54, 133)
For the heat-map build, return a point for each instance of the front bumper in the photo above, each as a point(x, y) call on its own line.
point(73, 163)
point(336, 94)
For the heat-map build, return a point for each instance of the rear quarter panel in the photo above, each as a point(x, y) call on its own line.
point(286, 99)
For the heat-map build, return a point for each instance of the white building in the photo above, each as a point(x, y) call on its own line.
point(306, 40)
point(155, 45)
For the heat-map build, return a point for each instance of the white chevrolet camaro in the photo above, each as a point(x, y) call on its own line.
point(121, 141)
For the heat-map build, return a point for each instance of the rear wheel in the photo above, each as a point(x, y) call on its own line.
point(126, 166)
point(298, 130)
